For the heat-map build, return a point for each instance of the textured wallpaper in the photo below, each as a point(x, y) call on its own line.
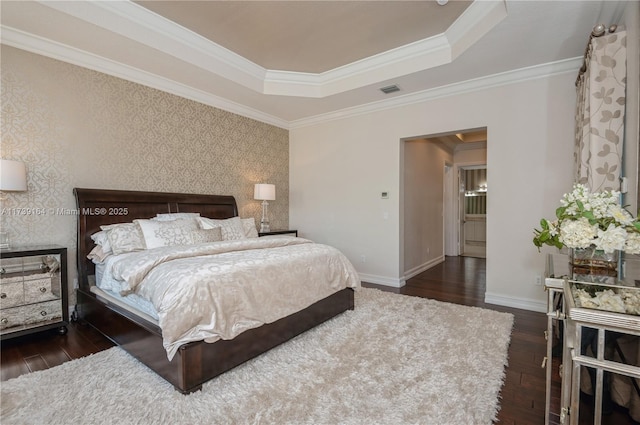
point(74, 127)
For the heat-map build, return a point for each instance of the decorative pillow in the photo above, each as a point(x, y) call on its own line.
point(174, 216)
point(101, 239)
point(249, 226)
point(231, 228)
point(97, 254)
point(167, 233)
point(208, 235)
point(124, 237)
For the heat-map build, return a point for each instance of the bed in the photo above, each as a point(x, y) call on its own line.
point(194, 362)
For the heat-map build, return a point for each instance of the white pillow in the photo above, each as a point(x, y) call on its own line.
point(168, 233)
point(249, 226)
point(101, 239)
point(124, 237)
point(174, 216)
point(97, 255)
point(231, 228)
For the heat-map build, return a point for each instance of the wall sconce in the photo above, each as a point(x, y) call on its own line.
point(13, 178)
point(264, 193)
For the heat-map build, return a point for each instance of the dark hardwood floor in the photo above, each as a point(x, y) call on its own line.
point(459, 280)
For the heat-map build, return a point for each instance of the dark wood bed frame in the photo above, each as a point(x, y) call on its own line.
point(195, 362)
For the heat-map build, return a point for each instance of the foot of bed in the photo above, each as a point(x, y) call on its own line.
point(187, 392)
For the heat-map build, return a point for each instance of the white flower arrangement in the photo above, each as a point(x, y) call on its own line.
point(620, 301)
point(591, 219)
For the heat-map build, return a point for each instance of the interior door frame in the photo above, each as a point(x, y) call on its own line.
point(458, 200)
point(450, 193)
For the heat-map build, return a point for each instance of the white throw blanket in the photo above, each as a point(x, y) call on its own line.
point(218, 290)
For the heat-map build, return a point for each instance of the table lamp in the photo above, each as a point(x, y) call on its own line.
point(264, 192)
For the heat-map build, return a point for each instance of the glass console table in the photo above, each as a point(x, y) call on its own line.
point(593, 315)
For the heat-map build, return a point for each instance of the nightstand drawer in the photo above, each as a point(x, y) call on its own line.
point(50, 311)
point(10, 270)
point(11, 317)
point(43, 312)
point(38, 290)
point(11, 294)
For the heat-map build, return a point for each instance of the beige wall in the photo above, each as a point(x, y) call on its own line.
point(74, 127)
point(423, 190)
point(339, 167)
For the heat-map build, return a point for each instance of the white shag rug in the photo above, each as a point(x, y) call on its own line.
point(395, 359)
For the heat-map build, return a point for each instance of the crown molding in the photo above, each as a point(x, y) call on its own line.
point(21, 40)
point(41, 46)
point(413, 57)
point(137, 23)
point(468, 86)
point(477, 20)
point(471, 25)
point(143, 26)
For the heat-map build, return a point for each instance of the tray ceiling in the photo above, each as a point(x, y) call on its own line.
point(287, 62)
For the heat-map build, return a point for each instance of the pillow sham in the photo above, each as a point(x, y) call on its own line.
point(124, 237)
point(167, 233)
point(97, 255)
point(174, 216)
point(249, 226)
point(101, 239)
point(208, 235)
point(231, 228)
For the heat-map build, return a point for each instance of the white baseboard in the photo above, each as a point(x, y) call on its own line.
point(400, 282)
point(425, 266)
point(382, 280)
point(515, 302)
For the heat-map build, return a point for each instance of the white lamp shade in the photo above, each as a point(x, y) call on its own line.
point(264, 192)
point(13, 176)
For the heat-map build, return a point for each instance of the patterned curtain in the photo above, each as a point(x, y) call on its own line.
point(600, 113)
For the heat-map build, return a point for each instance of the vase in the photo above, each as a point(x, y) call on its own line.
point(593, 265)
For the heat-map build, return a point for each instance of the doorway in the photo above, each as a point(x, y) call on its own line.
point(431, 201)
point(473, 211)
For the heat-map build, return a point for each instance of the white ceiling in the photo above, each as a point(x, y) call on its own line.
point(289, 63)
point(310, 36)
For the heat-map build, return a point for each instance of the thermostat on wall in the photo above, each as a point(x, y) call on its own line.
point(385, 195)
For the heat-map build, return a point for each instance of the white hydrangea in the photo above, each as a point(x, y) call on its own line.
point(620, 301)
point(611, 239)
point(577, 233)
point(591, 218)
point(620, 215)
point(632, 244)
point(631, 300)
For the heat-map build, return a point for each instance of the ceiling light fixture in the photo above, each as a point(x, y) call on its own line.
point(442, 2)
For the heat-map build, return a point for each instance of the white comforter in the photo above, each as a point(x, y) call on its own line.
point(218, 290)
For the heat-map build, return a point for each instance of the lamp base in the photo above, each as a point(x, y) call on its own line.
point(264, 221)
point(4, 241)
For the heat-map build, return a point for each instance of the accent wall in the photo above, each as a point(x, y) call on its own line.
point(74, 127)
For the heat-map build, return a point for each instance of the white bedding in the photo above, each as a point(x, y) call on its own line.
point(218, 290)
point(132, 303)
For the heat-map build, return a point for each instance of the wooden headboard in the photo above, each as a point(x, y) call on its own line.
point(97, 207)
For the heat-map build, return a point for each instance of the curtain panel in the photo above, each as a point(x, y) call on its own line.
point(600, 113)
